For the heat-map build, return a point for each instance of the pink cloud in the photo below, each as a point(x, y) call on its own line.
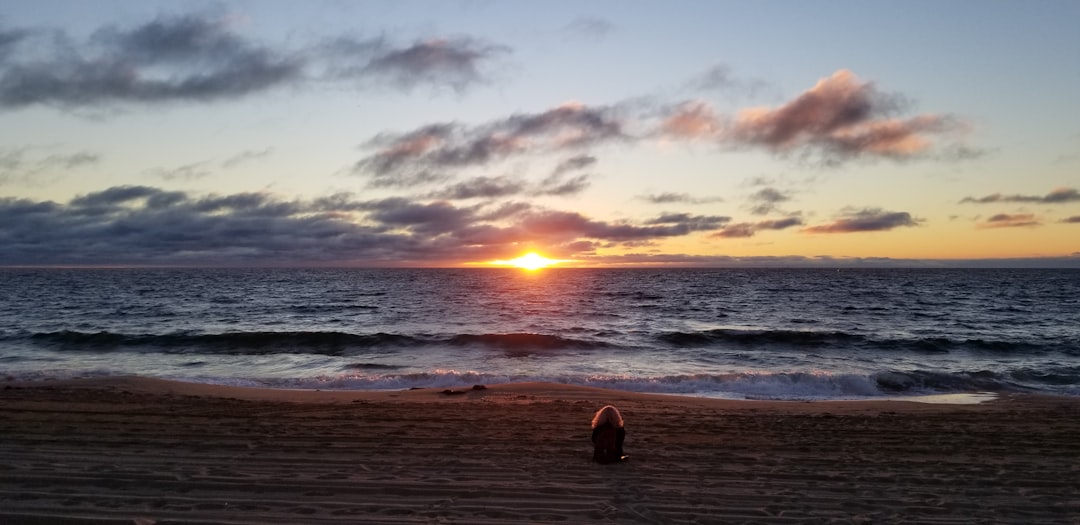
point(840, 117)
point(692, 120)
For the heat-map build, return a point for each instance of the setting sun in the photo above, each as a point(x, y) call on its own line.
point(529, 261)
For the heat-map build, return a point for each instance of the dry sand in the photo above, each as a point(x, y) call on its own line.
point(150, 451)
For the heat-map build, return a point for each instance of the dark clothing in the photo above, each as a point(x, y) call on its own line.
point(620, 436)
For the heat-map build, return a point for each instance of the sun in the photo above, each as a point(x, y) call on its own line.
point(529, 261)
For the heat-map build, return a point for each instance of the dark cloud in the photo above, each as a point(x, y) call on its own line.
point(764, 201)
point(1059, 195)
point(1075, 219)
point(572, 225)
point(560, 184)
point(432, 218)
point(143, 225)
point(147, 225)
point(481, 187)
point(694, 222)
point(1005, 220)
point(578, 162)
point(199, 58)
point(114, 196)
point(503, 186)
point(682, 198)
point(796, 261)
point(9, 39)
point(749, 229)
point(179, 58)
point(429, 153)
point(439, 62)
point(866, 220)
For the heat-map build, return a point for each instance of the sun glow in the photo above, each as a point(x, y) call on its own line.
point(529, 261)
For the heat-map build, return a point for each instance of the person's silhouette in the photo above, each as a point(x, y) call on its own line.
point(608, 435)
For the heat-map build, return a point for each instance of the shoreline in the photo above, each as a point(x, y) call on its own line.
point(120, 450)
point(197, 386)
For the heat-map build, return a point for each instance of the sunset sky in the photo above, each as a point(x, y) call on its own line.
point(451, 133)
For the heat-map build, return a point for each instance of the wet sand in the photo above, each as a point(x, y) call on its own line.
point(130, 450)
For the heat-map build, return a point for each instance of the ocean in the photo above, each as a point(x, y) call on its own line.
point(730, 333)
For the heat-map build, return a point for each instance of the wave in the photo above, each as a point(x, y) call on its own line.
point(845, 341)
point(526, 343)
point(327, 343)
point(742, 385)
point(523, 341)
point(726, 335)
point(324, 343)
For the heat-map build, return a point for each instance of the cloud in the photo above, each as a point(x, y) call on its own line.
point(578, 162)
point(148, 225)
point(27, 162)
point(192, 171)
point(694, 120)
point(429, 153)
point(720, 78)
point(832, 263)
point(454, 63)
point(764, 201)
point(1075, 219)
point(589, 28)
point(865, 220)
point(681, 198)
point(9, 39)
point(694, 222)
point(558, 183)
point(573, 225)
point(839, 119)
point(481, 187)
point(749, 229)
point(246, 156)
point(1005, 220)
point(178, 58)
point(1057, 196)
point(198, 57)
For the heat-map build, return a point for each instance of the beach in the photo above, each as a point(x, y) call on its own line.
point(140, 450)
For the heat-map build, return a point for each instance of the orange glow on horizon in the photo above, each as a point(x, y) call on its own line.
point(530, 261)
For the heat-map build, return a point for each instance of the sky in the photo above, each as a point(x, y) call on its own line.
point(622, 133)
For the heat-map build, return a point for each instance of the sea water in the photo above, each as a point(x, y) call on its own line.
point(736, 333)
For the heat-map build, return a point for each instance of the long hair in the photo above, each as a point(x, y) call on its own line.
point(608, 414)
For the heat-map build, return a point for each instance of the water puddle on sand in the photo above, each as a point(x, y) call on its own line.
point(971, 398)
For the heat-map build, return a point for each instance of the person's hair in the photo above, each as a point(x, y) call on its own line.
point(608, 414)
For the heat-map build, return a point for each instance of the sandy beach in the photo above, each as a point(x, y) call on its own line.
point(133, 450)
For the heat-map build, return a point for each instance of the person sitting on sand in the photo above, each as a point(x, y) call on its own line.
point(608, 435)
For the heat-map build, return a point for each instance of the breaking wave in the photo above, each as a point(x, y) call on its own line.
point(745, 385)
point(324, 343)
